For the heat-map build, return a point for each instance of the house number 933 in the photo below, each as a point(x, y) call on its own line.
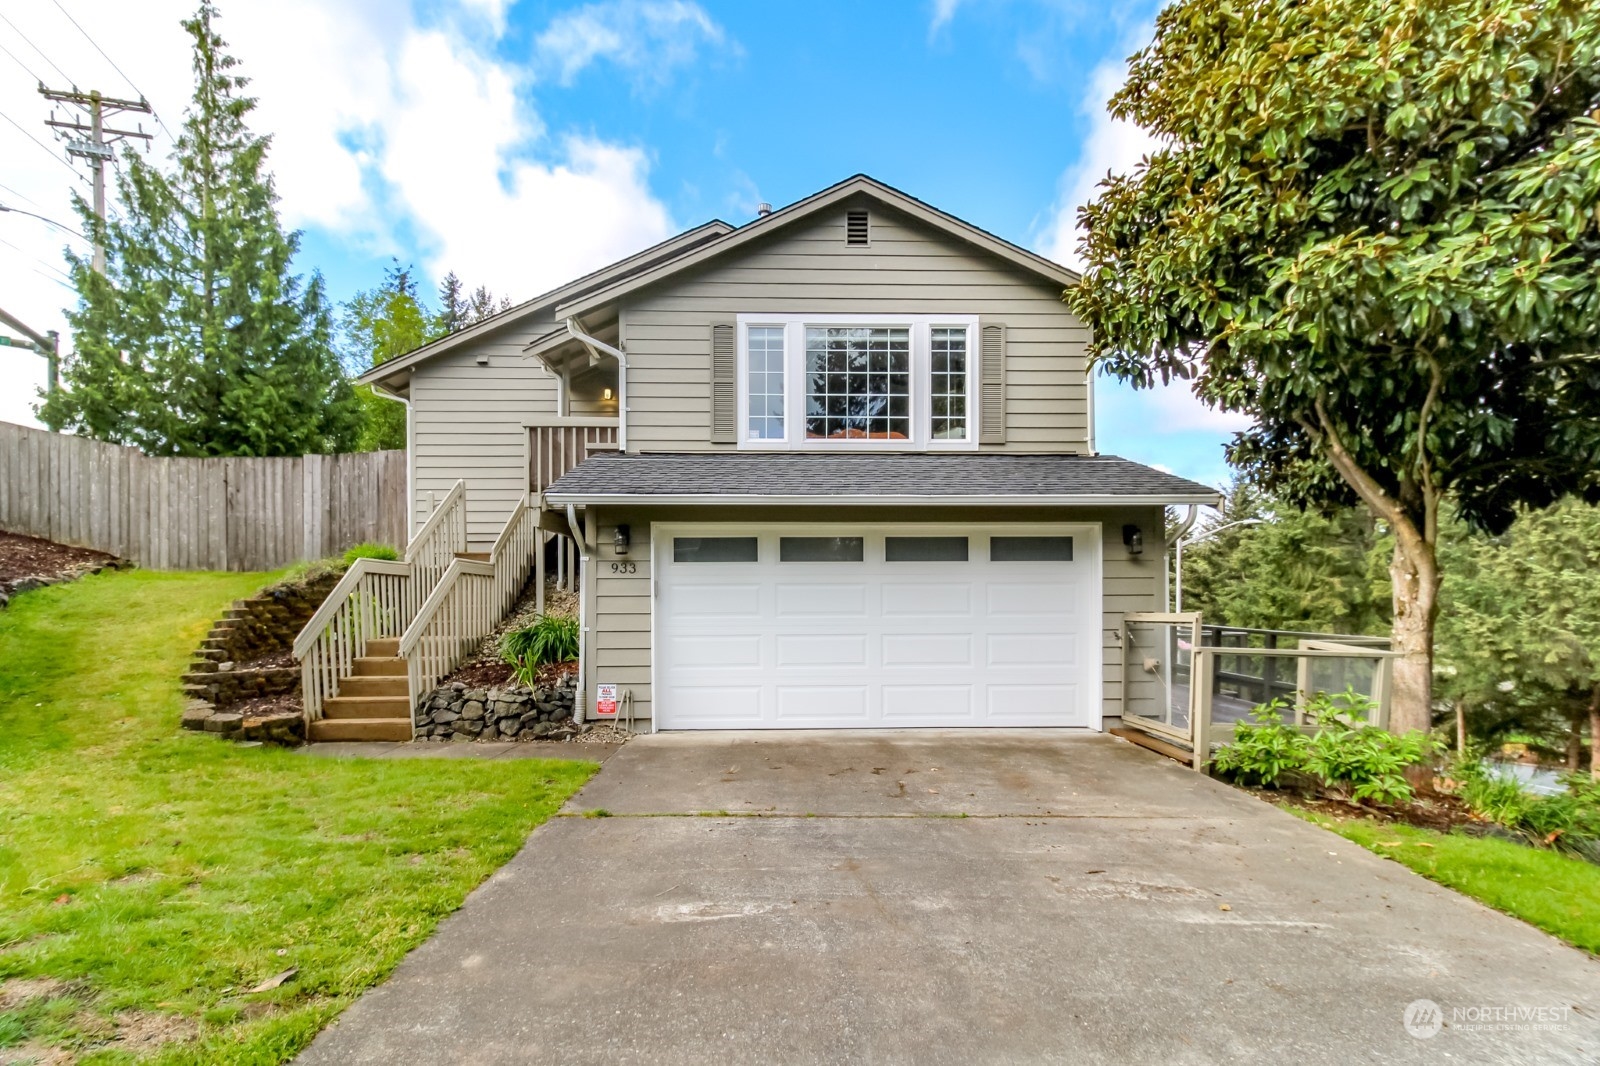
point(624, 568)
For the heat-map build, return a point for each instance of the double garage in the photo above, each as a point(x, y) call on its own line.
point(842, 625)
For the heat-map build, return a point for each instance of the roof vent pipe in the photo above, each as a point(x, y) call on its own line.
point(763, 210)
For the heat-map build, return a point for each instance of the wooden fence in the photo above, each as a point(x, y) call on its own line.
point(198, 514)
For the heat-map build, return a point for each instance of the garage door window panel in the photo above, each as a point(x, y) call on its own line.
point(821, 549)
point(714, 549)
point(925, 549)
point(1030, 549)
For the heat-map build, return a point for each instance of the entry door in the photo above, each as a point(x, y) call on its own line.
point(840, 626)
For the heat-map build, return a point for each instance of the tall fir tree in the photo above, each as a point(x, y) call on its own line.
point(198, 340)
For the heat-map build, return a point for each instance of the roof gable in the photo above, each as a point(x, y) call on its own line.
point(653, 256)
point(859, 185)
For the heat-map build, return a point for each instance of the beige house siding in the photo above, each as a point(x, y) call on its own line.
point(619, 622)
point(467, 422)
point(908, 269)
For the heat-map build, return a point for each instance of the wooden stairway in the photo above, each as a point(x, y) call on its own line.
point(373, 702)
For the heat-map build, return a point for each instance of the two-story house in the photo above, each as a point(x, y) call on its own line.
point(834, 467)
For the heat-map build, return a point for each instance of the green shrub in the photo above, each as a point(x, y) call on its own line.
point(1264, 752)
point(552, 639)
point(1568, 820)
point(1355, 760)
point(370, 551)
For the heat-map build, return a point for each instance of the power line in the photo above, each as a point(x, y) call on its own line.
point(36, 48)
point(25, 68)
point(42, 146)
point(108, 59)
point(22, 196)
point(64, 279)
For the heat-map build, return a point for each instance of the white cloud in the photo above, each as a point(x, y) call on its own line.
point(388, 133)
point(650, 38)
point(1110, 145)
point(943, 12)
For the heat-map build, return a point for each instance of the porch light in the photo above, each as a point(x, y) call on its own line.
point(607, 394)
point(1134, 539)
point(619, 540)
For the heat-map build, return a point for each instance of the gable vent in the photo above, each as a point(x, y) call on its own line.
point(855, 227)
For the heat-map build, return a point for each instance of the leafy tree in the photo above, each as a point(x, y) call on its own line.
point(379, 324)
point(198, 340)
point(1372, 226)
point(1519, 636)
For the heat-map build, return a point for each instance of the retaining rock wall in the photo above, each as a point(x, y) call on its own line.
point(456, 712)
point(244, 660)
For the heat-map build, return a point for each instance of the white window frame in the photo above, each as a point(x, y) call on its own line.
point(794, 386)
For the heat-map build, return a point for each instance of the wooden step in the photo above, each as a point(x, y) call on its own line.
point(367, 707)
point(373, 685)
point(379, 666)
point(383, 646)
point(476, 557)
point(360, 729)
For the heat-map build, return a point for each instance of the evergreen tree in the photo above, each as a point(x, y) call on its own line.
point(199, 340)
point(380, 324)
point(459, 309)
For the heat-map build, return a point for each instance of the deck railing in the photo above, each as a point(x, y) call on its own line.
point(1189, 683)
point(376, 598)
point(556, 445)
point(467, 603)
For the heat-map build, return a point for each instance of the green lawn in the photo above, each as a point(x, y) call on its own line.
point(1560, 895)
point(149, 877)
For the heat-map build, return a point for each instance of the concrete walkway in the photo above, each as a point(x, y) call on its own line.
point(932, 897)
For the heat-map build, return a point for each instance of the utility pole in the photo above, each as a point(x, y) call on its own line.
point(47, 344)
point(93, 144)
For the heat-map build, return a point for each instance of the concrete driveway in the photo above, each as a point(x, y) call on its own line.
point(933, 897)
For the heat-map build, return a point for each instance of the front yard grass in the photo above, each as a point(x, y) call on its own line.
point(1555, 892)
point(150, 878)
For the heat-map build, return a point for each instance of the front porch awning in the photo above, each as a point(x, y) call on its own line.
point(912, 479)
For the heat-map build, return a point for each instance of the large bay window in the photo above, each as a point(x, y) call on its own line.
point(853, 382)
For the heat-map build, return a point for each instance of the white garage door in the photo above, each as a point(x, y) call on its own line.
point(876, 626)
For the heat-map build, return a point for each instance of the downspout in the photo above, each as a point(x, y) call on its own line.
point(1177, 548)
point(596, 346)
point(411, 457)
point(579, 697)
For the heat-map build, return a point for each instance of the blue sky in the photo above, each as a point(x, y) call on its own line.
point(520, 143)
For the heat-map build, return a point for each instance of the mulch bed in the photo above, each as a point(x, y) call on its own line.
point(23, 557)
point(1443, 813)
point(487, 670)
point(276, 660)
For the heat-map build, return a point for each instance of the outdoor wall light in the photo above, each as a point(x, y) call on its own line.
point(607, 394)
point(1134, 539)
point(620, 540)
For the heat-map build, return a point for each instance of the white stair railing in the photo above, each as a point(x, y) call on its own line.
point(468, 602)
point(376, 598)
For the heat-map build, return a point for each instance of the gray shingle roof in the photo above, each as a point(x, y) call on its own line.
point(748, 476)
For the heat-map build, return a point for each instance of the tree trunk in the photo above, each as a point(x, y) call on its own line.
point(1575, 744)
point(1594, 733)
point(1461, 728)
point(1415, 575)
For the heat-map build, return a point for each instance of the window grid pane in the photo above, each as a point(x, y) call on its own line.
point(949, 375)
point(766, 382)
point(925, 549)
point(1030, 549)
point(858, 383)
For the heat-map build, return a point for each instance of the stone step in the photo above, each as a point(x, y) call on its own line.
point(375, 685)
point(367, 707)
point(360, 729)
point(379, 666)
point(383, 646)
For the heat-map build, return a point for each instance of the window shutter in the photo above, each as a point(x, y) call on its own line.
point(992, 386)
point(724, 383)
